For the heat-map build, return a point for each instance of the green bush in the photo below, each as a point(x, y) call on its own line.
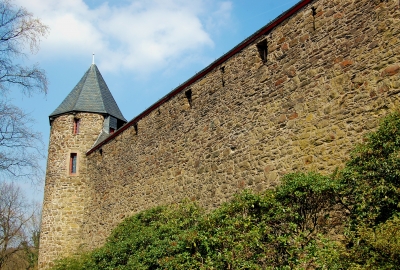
point(273, 230)
point(372, 175)
point(377, 247)
point(305, 202)
point(371, 192)
point(347, 221)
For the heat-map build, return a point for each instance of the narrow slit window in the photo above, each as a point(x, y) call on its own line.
point(263, 50)
point(136, 128)
point(76, 125)
point(314, 12)
point(73, 161)
point(222, 75)
point(188, 95)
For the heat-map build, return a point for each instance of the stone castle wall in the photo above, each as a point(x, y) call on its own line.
point(64, 195)
point(328, 79)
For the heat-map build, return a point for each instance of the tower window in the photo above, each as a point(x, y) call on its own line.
point(188, 95)
point(112, 131)
point(73, 163)
point(263, 50)
point(76, 125)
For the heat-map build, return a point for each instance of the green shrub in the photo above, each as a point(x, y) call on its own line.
point(307, 199)
point(297, 226)
point(305, 202)
point(77, 262)
point(253, 231)
point(371, 192)
point(372, 175)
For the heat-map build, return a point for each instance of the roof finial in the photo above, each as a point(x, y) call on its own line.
point(93, 59)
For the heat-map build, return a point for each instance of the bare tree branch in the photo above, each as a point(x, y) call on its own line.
point(15, 217)
point(18, 29)
point(21, 148)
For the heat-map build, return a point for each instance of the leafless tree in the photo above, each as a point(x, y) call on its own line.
point(15, 218)
point(18, 29)
point(31, 247)
point(21, 147)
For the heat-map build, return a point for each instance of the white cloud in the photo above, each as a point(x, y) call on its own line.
point(137, 35)
point(221, 16)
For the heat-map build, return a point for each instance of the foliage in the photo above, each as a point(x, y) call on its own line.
point(253, 231)
point(31, 250)
point(376, 247)
point(371, 191)
point(309, 197)
point(372, 176)
point(350, 220)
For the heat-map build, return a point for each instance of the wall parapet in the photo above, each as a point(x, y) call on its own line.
point(263, 31)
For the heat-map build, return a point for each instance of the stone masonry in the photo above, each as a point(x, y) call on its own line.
point(64, 196)
point(332, 71)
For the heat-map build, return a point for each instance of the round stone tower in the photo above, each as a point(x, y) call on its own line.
point(88, 115)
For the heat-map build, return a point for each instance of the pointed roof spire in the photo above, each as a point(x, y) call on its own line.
point(91, 94)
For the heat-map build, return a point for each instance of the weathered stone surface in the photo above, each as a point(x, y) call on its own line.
point(304, 108)
point(310, 119)
point(391, 70)
point(65, 195)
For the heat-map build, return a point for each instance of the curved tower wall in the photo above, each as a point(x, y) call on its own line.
point(65, 192)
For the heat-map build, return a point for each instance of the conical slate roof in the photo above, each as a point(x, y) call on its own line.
point(91, 94)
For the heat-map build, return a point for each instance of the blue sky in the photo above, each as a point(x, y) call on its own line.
point(143, 48)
